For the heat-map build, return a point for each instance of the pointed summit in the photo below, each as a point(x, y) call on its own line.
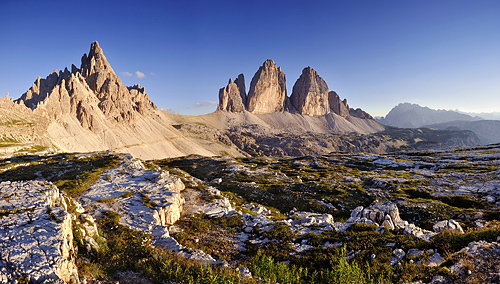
point(95, 62)
point(232, 98)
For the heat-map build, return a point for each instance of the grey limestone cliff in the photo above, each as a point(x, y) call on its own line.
point(310, 94)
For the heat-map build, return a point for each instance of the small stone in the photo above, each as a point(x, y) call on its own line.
point(490, 199)
point(399, 254)
point(244, 272)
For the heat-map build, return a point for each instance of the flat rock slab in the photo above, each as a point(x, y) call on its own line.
point(144, 198)
point(36, 237)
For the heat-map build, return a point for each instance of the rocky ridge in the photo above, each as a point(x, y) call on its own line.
point(413, 115)
point(88, 109)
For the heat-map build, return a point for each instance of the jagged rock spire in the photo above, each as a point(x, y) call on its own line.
point(232, 98)
point(240, 82)
point(267, 94)
point(95, 62)
point(338, 106)
point(92, 93)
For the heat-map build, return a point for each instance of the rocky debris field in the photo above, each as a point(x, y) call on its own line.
point(415, 216)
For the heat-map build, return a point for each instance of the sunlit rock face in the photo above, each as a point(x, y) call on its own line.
point(93, 94)
point(36, 233)
point(267, 92)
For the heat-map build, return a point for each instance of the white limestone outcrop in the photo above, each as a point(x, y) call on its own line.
point(36, 234)
point(148, 200)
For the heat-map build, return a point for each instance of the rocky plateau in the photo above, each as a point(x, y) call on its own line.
point(434, 212)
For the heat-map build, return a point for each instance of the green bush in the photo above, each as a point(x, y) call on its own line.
point(453, 242)
point(340, 271)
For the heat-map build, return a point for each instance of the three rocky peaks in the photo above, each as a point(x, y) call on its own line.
point(310, 95)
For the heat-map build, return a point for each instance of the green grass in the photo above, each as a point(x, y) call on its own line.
point(70, 174)
point(452, 242)
point(147, 201)
point(209, 234)
point(123, 195)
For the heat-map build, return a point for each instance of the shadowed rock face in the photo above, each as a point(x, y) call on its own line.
point(310, 94)
point(337, 106)
point(92, 93)
point(267, 90)
point(240, 82)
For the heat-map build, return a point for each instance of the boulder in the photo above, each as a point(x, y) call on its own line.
point(448, 226)
point(398, 254)
point(418, 232)
point(384, 213)
point(310, 94)
point(267, 92)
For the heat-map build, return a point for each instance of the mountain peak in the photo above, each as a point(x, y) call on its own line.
point(310, 94)
point(93, 94)
point(95, 62)
point(95, 48)
point(267, 92)
point(410, 115)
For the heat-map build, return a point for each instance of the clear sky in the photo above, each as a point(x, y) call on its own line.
point(444, 54)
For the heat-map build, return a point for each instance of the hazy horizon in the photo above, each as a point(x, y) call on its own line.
point(439, 54)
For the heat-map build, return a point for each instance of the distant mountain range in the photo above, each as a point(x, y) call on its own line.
point(407, 115)
point(485, 115)
point(488, 131)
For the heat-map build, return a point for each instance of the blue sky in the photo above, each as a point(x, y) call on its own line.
point(441, 54)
